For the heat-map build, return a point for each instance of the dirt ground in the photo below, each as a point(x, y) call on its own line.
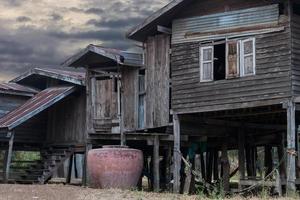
point(62, 192)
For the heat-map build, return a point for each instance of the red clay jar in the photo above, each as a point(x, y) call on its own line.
point(114, 167)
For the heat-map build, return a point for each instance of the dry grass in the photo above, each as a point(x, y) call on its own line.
point(61, 192)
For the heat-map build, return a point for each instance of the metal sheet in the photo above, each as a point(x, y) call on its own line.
point(34, 106)
point(223, 21)
point(103, 57)
point(16, 88)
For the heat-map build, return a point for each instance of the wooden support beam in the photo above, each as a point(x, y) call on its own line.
point(188, 178)
point(268, 160)
point(7, 159)
point(70, 166)
point(226, 167)
point(241, 145)
point(164, 30)
point(216, 164)
point(156, 178)
point(209, 165)
point(75, 166)
point(176, 154)
point(168, 158)
point(85, 175)
point(291, 147)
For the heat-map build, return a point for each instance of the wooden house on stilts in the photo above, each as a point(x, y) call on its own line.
point(234, 73)
point(49, 119)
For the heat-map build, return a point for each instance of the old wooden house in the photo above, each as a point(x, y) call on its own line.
point(120, 109)
point(51, 122)
point(232, 68)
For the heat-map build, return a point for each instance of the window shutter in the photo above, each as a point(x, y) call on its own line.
point(247, 58)
point(232, 66)
point(206, 63)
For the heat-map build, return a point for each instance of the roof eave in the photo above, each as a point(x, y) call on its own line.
point(136, 32)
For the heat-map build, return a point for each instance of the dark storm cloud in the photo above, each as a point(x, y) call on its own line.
point(56, 17)
point(31, 46)
point(96, 11)
point(23, 19)
point(100, 35)
point(115, 23)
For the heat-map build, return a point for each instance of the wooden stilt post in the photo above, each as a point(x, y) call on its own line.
point(168, 167)
point(75, 166)
point(188, 179)
point(226, 168)
point(216, 164)
point(241, 145)
point(85, 175)
point(291, 147)
point(70, 166)
point(156, 178)
point(282, 168)
point(268, 160)
point(209, 165)
point(8, 156)
point(177, 154)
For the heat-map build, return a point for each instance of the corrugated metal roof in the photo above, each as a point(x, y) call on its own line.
point(98, 56)
point(74, 77)
point(161, 17)
point(14, 88)
point(222, 21)
point(34, 106)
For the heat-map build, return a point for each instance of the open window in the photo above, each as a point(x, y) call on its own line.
point(228, 59)
point(206, 63)
point(247, 57)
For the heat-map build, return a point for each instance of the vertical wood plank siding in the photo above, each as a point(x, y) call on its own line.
point(295, 26)
point(270, 85)
point(67, 121)
point(130, 98)
point(157, 81)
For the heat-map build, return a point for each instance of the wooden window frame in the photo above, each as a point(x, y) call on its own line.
point(227, 76)
point(201, 49)
point(142, 94)
point(243, 55)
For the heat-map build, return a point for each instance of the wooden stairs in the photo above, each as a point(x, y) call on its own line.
point(41, 171)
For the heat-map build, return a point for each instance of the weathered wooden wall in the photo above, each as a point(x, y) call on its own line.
point(130, 98)
point(34, 131)
point(66, 120)
point(157, 64)
point(10, 102)
point(270, 85)
point(295, 27)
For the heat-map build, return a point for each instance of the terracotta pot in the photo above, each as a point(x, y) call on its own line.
point(115, 167)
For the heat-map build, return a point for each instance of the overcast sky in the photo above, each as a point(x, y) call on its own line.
point(46, 32)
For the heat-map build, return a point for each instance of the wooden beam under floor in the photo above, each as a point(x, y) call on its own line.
point(177, 154)
point(291, 147)
point(7, 159)
point(156, 178)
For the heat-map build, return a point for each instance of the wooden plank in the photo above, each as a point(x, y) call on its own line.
point(226, 168)
point(156, 167)
point(85, 173)
point(291, 147)
point(268, 160)
point(176, 154)
point(8, 156)
point(70, 167)
point(188, 178)
point(241, 146)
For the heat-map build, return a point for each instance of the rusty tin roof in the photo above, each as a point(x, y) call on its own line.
point(34, 106)
point(17, 89)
